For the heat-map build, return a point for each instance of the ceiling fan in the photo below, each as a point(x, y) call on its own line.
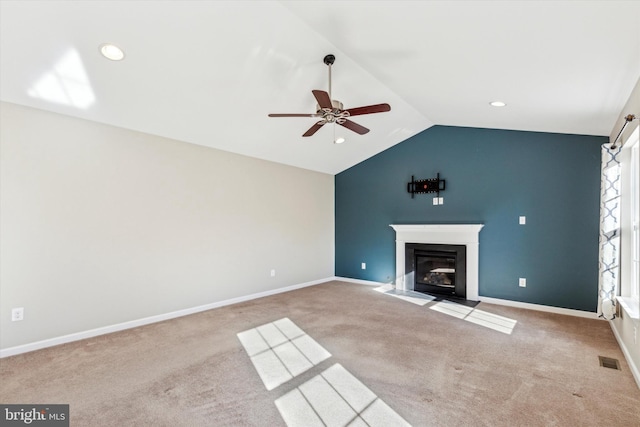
point(332, 111)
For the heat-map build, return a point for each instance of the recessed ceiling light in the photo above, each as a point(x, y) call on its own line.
point(497, 104)
point(339, 140)
point(112, 52)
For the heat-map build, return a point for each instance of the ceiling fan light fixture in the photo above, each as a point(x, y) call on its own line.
point(497, 104)
point(112, 52)
point(339, 140)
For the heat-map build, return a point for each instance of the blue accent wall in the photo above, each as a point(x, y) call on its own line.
point(492, 177)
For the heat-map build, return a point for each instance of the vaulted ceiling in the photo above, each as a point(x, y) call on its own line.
point(209, 72)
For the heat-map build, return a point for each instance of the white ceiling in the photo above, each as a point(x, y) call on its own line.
point(209, 72)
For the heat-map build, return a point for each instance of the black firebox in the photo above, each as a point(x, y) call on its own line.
point(437, 269)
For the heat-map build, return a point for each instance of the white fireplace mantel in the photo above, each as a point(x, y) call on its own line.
point(447, 234)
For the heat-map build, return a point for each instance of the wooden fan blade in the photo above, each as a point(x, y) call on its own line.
point(378, 108)
point(295, 115)
point(324, 101)
point(313, 129)
point(354, 127)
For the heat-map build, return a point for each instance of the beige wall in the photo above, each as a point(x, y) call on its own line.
point(627, 329)
point(101, 225)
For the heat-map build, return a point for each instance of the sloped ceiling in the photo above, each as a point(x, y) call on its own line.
point(209, 72)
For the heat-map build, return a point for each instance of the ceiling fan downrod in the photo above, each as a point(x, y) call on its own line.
point(329, 60)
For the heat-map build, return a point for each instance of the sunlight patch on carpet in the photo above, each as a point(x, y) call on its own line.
point(452, 309)
point(280, 351)
point(459, 311)
point(409, 296)
point(335, 397)
point(476, 316)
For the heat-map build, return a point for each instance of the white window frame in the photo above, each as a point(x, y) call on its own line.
point(629, 297)
point(634, 187)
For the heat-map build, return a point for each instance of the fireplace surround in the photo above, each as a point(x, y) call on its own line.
point(438, 234)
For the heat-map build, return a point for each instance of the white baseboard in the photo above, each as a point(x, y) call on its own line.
point(12, 351)
point(539, 307)
point(627, 354)
point(497, 301)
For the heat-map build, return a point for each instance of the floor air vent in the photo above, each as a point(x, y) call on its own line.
point(608, 362)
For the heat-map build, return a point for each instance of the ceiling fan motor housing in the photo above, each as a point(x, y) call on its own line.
point(337, 105)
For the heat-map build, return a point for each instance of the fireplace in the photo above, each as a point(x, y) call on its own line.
point(465, 235)
point(437, 269)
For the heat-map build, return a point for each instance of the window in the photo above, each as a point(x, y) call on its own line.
point(629, 225)
point(635, 217)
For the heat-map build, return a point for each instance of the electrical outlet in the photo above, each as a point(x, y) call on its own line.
point(273, 273)
point(364, 265)
point(522, 282)
point(17, 314)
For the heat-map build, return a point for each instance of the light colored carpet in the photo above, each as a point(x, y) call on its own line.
point(430, 367)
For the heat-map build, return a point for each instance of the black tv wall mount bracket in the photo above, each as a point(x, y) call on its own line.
point(423, 186)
